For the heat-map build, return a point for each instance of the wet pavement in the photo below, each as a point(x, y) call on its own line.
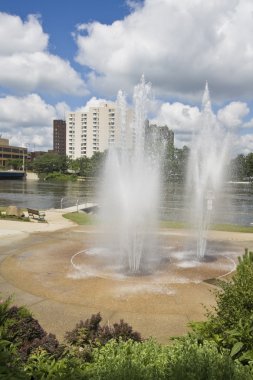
point(35, 267)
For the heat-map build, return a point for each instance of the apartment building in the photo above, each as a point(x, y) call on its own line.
point(59, 136)
point(91, 131)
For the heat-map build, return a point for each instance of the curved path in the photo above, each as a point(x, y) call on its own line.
point(35, 267)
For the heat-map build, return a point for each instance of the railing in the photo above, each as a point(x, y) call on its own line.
point(71, 202)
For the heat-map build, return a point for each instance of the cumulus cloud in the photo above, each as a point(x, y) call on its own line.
point(181, 118)
point(32, 121)
point(177, 44)
point(92, 102)
point(243, 144)
point(25, 63)
point(26, 36)
point(233, 114)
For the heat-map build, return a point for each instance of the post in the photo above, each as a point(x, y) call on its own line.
point(23, 160)
point(61, 202)
point(77, 205)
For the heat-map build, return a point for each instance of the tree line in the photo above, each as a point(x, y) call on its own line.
point(174, 165)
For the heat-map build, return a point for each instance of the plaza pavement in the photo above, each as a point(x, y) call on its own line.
point(34, 267)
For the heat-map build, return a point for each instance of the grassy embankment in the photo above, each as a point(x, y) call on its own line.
point(85, 219)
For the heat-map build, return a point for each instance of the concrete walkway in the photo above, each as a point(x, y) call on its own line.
point(13, 229)
point(35, 267)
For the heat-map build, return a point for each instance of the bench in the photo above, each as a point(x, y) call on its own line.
point(40, 214)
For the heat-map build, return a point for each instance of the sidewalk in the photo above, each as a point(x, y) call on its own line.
point(14, 229)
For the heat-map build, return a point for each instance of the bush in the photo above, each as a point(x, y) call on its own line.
point(231, 325)
point(89, 334)
point(128, 360)
point(190, 360)
point(10, 364)
point(20, 328)
point(56, 176)
point(149, 360)
point(41, 365)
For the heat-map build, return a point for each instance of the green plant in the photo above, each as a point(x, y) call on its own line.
point(10, 364)
point(89, 334)
point(42, 366)
point(190, 360)
point(56, 176)
point(231, 324)
point(19, 327)
point(128, 360)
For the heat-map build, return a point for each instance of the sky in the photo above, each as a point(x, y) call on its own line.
point(57, 56)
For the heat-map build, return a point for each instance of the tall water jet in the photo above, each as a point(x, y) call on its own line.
point(130, 190)
point(205, 170)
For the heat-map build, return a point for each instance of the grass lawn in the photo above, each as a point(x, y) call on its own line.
point(82, 218)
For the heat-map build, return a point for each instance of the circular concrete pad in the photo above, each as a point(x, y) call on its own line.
point(38, 271)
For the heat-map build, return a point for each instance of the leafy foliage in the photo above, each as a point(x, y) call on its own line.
point(88, 167)
point(231, 326)
point(190, 360)
point(241, 167)
point(56, 176)
point(41, 365)
point(113, 352)
point(128, 360)
point(149, 360)
point(89, 334)
point(20, 328)
point(49, 163)
point(10, 364)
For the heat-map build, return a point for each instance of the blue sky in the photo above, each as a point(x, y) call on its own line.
point(57, 55)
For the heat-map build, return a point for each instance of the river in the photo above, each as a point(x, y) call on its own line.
point(234, 206)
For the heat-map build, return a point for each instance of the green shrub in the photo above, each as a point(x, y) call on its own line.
point(149, 360)
point(40, 365)
point(20, 328)
point(231, 324)
point(190, 360)
point(128, 360)
point(57, 176)
point(10, 364)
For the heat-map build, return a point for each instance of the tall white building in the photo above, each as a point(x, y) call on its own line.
point(94, 130)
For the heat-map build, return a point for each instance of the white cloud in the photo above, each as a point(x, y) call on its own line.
point(177, 44)
point(92, 102)
point(181, 118)
point(19, 37)
point(25, 63)
point(232, 115)
point(29, 120)
point(243, 144)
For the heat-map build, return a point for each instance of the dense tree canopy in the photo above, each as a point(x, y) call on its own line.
point(50, 162)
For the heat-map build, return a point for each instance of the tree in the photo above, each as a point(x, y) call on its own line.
point(238, 167)
point(15, 163)
point(249, 165)
point(50, 162)
point(176, 163)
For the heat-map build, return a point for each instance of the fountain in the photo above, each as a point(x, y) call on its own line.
point(130, 189)
point(168, 282)
point(205, 171)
